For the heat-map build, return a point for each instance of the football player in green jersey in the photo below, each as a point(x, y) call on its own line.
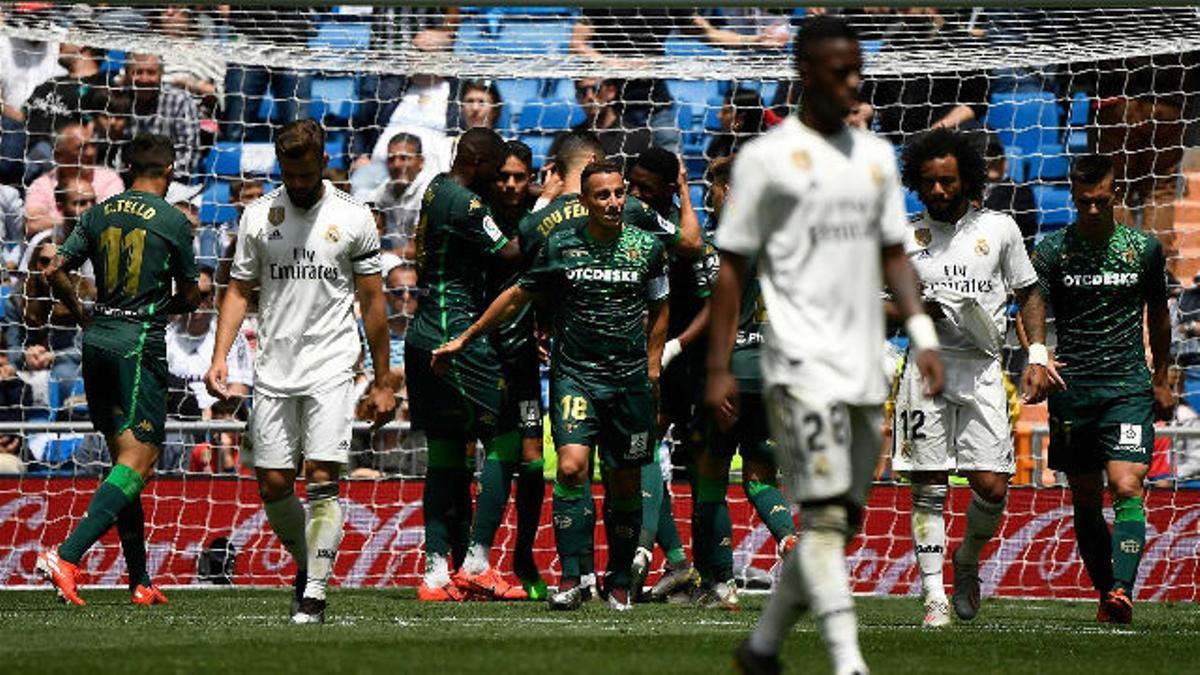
point(712, 531)
point(517, 350)
point(606, 286)
point(655, 177)
point(141, 250)
point(456, 237)
point(1101, 278)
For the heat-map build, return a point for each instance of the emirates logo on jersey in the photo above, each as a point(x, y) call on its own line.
point(332, 235)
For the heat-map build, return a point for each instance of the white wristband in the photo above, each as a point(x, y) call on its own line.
point(921, 332)
point(1039, 355)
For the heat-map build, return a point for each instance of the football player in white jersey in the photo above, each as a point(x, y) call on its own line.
point(819, 205)
point(969, 259)
point(309, 248)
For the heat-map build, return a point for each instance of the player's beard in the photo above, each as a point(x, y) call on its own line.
point(946, 213)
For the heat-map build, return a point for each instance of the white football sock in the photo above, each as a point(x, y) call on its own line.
point(437, 570)
point(477, 559)
point(822, 554)
point(787, 602)
point(929, 537)
point(324, 536)
point(983, 519)
point(286, 517)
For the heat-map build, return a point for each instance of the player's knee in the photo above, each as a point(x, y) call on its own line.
point(625, 482)
point(993, 489)
point(829, 517)
point(531, 450)
point(273, 486)
point(1126, 487)
point(927, 497)
point(758, 473)
point(572, 467)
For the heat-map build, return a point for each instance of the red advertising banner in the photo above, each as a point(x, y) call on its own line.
point(1034, 556)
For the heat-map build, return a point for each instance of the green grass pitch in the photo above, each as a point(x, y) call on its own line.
point(237, 631)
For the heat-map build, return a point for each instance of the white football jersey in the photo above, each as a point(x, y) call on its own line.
point(815, 211)
point(305, 261)
point(982, 257)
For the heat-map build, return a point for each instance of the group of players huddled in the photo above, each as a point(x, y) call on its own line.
point(651, 327)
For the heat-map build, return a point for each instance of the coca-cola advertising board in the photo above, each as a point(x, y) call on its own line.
point(1034, 555)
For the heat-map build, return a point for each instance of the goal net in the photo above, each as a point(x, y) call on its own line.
point(1036, 87)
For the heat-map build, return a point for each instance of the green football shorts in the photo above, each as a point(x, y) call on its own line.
point(619, 422)
point(1091, 426)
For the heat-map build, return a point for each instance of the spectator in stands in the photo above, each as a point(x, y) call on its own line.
point(478, 105)
point(400, 281)
point(242, 192)
point(395, 29)
point(601, 99)
point(58, 101)
point(741, 118)
point(399, 199)
point(221, 452)
point(110, 122)
point(907, 105)
point(190, 342)
point(40, 334)
point(12, 225)
point(246, 86)
point(74, 155)
point(16, 401)
point(1139, 122)
point(73, 195)
point(163, 109)
point(423, 111)
point(24, 64)
point(201, 73)
point(1185, 345)
point(1004, 195)
point(339, 178)
point(617, 35)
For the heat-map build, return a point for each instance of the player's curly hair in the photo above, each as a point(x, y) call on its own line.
point(972, 168)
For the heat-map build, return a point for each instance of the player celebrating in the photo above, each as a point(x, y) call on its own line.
point(521, 413)
point(656, 177)
point(309, 249)
point(1099, 278)
point(712, 531)
point(138, 245)
point(607, 288)
point(819, 205)
point(968, 260)
point(456, 238)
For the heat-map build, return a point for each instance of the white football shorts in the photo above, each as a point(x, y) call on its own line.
point(315, 426)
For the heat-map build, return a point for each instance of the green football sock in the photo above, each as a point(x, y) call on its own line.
point(495, 482)
point(712, 531)
point(1095, 546)
point(439, 496)
point(131, 527)
point(531, 491)
point(622, 523)
point(570, 528)
point(768, 501)
point(1128, 540)
point(122, 486)
point(652, 500)
point(460, 516)
point(587, 557)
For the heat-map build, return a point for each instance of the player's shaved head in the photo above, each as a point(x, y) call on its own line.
point(817, 29)
point(576, 151)
point(829, 65)
point(149, 156)
point(660, 162)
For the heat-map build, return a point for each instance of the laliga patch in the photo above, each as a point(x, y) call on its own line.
point(1131, 436)
point(489, 227)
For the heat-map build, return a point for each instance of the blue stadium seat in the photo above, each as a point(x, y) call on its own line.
point(537, 36)
point(676, 45)
point(695, 93)
point(114, 61)
point(224, 159)
point(696, 192)
point(342, 36)
point(335, 146)
point(712, 113)
point(214, 204)
point(1050, 163)
point(516, 91)
point(540, 145)
point(1027, 120)
point(912, 203)
point(549, 115)
point(1081, 107)
point(332, 99)
point(1054, 205)
point(475, 36)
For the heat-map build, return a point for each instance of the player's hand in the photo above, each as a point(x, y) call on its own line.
point(721, 399)
point(1036, 384)
point(655, 375)
point(543, 345)
point(552, 186)
point(216, 380)
point(443, 356)
point(1164, 402)
point(670, 351)
point(381, 404)
point(932, 373)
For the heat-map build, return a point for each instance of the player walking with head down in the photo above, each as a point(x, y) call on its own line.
point(138, 245)
point(606, 286)
point(968, 259)
point(819, 205)
point(309, 249)
point(1101, 278)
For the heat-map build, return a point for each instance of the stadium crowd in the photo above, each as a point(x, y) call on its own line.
point(67, 110)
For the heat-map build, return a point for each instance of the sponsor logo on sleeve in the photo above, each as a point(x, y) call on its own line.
point(490, 228)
